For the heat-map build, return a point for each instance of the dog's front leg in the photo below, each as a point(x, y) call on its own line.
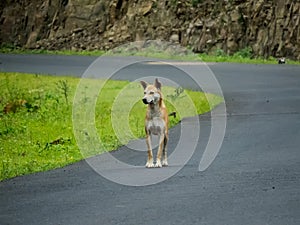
point(149, 163)
point(160, 150)
point(165, 160)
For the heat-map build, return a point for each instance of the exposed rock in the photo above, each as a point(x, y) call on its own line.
point(198, 23)
point(144, 10)
point(151, 46)
point(174, 38)
point(269, 28)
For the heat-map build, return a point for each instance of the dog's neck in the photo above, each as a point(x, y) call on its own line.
point(154, 110)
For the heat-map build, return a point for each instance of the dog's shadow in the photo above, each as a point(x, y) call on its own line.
point(135, 152)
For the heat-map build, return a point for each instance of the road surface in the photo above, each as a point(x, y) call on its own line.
point(254, 179)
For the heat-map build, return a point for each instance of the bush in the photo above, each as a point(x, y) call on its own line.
point(244, 53)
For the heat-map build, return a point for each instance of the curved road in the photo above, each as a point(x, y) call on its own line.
point(254, 179)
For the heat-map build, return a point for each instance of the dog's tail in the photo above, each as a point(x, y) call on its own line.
point(173, 114)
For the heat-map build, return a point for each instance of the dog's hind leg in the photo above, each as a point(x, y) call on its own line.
point(149, 163)
point(165, 155)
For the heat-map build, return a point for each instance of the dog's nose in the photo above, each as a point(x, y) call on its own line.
point(145, 101)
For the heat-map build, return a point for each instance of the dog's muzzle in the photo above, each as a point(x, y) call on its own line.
point(145, 101)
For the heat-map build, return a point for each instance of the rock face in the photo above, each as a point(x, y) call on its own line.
point(269, 28)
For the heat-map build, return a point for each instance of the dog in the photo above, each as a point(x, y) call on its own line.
point(156, 123)
point(281, 60)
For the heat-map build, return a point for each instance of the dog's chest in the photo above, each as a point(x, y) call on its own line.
point(156, 126)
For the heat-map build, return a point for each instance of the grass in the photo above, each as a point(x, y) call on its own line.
point(45, 119)
point(8, 49)
point(239, 59)
point(242, 56)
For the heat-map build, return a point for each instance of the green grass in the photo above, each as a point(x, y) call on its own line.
point(8, 49)
point(239, 59)
point(44, 132)
point(242, 56)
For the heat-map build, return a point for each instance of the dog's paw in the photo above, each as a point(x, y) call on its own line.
point(165, 163)
point(149, 165)
point(158, 164)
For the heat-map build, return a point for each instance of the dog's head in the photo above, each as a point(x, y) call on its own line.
point(152, 94)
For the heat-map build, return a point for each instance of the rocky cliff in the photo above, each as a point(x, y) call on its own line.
point(270, 28)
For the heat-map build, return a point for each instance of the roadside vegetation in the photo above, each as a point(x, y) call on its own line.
point(242, 56)
point(9, 49)
point(37, 131)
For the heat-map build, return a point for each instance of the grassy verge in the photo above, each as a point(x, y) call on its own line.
point(17, 50)
point(240, 59)
point(242, 56)
point(37, 131)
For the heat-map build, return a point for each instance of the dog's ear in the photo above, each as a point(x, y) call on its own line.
point(157, 84)
point(144, 84)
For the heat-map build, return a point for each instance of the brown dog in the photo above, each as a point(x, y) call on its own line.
point(156, 122)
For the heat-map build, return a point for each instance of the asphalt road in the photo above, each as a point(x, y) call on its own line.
point(254, 179)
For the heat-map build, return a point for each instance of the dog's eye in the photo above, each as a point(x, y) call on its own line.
point(151, 92)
